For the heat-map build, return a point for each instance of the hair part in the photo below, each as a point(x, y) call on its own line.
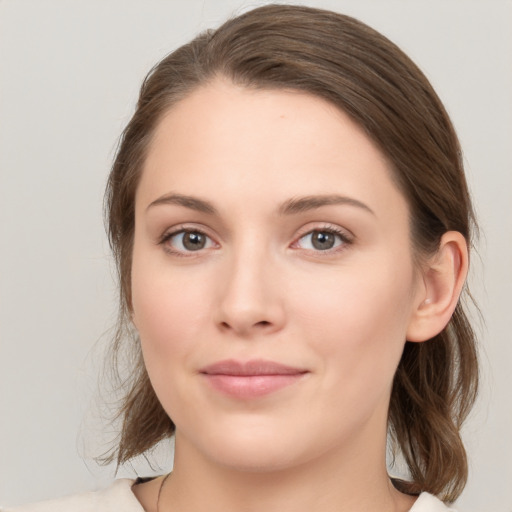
point(350, 65)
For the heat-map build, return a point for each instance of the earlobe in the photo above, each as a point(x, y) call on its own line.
point(443, 279)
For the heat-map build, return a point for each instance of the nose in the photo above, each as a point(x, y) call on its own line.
point(250, 299)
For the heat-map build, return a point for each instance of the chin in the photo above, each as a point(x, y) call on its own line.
point(240, 444)
point(255, 448)
point(258, 459)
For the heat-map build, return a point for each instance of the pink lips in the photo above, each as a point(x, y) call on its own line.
point(251, 379)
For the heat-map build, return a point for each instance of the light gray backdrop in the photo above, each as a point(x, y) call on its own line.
point(69, 75)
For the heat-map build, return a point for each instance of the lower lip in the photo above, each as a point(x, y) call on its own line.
point(251, 386)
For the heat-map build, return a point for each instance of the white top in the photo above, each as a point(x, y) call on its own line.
point(119, 497)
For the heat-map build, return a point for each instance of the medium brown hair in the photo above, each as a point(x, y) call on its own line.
point(343, 61)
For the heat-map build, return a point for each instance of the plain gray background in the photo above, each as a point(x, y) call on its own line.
point(69, 75)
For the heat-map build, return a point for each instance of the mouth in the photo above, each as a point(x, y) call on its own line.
point(250, 379)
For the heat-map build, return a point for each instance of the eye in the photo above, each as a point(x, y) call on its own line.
point(323, 239)
point(187, 240)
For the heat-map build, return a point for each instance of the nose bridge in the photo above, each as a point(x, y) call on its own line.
point(249, 298)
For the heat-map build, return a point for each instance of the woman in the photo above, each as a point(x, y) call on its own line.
point(291, 223)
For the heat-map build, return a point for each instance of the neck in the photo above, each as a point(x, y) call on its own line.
point(334, 482)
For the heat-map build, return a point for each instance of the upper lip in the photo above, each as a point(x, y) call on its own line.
point(250, 368)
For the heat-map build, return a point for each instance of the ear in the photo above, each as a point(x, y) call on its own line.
point(443, 278)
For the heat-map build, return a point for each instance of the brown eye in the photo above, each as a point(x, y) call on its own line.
point(189, 241)
point(194, 241)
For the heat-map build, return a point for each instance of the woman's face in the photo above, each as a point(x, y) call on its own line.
point(273, 281)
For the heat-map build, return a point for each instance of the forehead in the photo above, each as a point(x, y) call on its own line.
point(224, 139)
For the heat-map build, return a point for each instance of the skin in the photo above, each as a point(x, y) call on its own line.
point(260, 289)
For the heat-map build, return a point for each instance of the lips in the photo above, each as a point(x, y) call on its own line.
point(251, 379)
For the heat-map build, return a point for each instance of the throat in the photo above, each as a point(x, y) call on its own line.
point(266, 493)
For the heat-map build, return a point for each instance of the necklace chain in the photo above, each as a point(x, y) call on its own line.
point(162, 485)
point(160, 491)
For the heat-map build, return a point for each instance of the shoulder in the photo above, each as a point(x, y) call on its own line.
point(428, 503)
point(118, 496)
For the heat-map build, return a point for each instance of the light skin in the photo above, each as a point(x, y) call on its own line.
point(268, 227)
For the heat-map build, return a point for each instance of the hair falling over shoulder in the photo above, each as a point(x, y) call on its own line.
point(358, 70)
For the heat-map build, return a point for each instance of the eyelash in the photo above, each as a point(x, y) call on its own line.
point(343, 236)
point(181, 229)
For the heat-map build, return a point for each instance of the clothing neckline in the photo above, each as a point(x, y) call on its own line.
point(423, 500)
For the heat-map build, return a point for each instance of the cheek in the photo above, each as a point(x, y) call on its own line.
point(168, 309)
point(168, 314)
point(356, 328)
point(358, 317)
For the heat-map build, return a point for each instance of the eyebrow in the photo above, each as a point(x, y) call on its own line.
point(289, 207)
point(303, 204)
point(193, 203)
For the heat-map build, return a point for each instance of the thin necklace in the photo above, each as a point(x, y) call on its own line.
point(160, 491)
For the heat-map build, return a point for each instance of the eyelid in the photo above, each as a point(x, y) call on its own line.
point(325, 226)
point(346, 236)
point(184, 228)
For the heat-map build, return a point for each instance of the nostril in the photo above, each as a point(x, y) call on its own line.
point(262, 323)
